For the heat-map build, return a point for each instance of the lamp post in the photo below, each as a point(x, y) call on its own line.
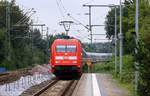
point(121, 40)
point(136, 40)
point(115, 40)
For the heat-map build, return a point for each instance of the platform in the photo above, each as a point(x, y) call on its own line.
point(98, 85)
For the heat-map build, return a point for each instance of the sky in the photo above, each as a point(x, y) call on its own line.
point(51, 12)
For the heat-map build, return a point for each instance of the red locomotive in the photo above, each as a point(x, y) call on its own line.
point(66, 57)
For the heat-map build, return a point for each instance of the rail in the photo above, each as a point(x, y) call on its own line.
point(45, 88)
point(65, 90)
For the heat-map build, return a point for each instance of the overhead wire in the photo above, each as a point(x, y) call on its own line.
point(24, 16)
point(80, 35)
point(90, 1)
point(26, 19)
point(78, 22)
point(59, 8)
point(65, 10)
point(26, 13)
point(68, 14)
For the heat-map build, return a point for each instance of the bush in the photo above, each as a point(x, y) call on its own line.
point(103, 67)
point(128, 69)
point(109, 67)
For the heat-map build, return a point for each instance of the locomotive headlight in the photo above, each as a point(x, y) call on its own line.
point(57, 62)
point(59, 57)
point(72, 57)
point(74, 62)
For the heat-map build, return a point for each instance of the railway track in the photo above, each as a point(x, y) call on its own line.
point(58, 88)
point(11, 76)
point(3, 77)
point(3, 74)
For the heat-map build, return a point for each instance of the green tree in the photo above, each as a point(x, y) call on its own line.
point(27, 45)
point(144, 48)
point(16, 46)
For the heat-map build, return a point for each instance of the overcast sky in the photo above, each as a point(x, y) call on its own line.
point(51, 12)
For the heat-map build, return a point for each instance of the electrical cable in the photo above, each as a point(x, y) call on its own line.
point(89, 2)
point(27, 18)
point(63, 6)
point(70, 15)
point(65, 11)
point(78, 22)
point(59, 8)
point(24, 16)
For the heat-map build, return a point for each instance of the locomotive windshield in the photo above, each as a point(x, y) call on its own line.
point(65, 48)
point(61, 48)
point(71, 48)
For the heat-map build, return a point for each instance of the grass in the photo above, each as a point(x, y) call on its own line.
point(102, 68)
point(125, 85)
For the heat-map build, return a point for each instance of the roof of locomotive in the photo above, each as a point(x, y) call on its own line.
point(64, 41)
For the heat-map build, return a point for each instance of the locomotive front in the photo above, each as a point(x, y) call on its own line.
point(66, 57)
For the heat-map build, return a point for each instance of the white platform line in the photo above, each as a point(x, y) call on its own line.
point(96, 90)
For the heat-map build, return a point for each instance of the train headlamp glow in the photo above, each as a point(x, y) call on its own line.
point(59, 57)
point(72, 57)
point(57, 62)
point(74, 62)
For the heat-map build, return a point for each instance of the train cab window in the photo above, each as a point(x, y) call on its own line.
point(70, 48)
point(60, 48)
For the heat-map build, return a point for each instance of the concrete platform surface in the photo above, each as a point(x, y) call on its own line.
point(98, 85)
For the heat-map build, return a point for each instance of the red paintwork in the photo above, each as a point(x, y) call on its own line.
point(66, 61)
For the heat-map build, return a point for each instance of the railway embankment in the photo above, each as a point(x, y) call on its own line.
point(15, 82)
